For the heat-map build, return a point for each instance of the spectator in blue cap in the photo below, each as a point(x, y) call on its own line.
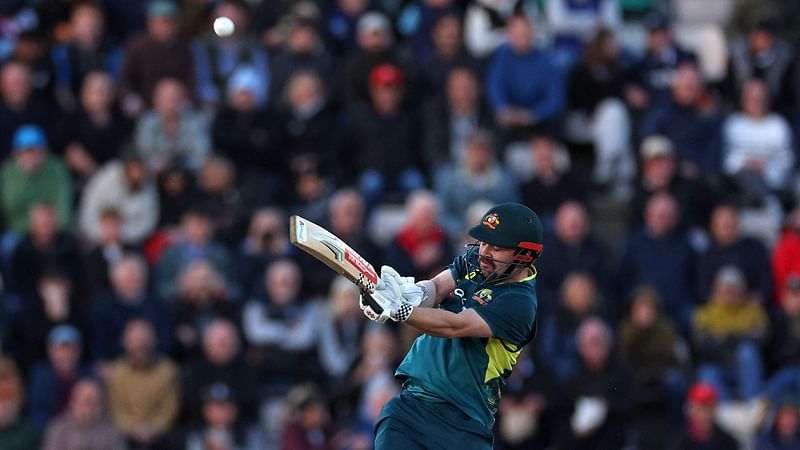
point(32, 175)
point(51, 381)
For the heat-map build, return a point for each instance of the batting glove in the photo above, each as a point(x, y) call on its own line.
point(386, 302)
point(410, 292)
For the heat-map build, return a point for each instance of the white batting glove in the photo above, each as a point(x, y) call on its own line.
point(386, 302)
point(410, 292)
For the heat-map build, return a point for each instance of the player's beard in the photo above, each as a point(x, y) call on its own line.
point(490, 268)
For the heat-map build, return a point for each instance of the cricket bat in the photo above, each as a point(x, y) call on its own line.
point(335, 253)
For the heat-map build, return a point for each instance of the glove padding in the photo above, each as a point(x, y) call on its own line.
point(386, 302)
point(409, 291)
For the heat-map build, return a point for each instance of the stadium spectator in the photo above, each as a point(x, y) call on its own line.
point(194, 242)
point(574, 23)
point(485, 22)
point(761, 53)
point(311, 133)
point(421, 247)
point(553, 180)
point(700, 430)
point(523, 84)
point(659, 255)
point(222, 427)
point(52, 380)
point(128, 299)
point(597, 113)
point(217, 58)
point(341, 333)
point(578, 300)
point(18, 106)
point(221, 361)
point(341, 23)
point(757, 146)
point(417, 20)
point(33, 175)
point(690, 118)
point(94, 133)
point(143, 388)
point(375, 47)
point(125, 186)
point(303, 51)
point(16, 432)
point(51, 304)
point(218, 192)
point(570, 248)
point(173, 131)
point(88, 48)
point(447, 53)
point(104, 252)
point(282, 327)
point(599, 390)
point(661, 173)
point(386, 133)
point(782, 353)
point(783, 432)
point(658, 356)
point(32, 49)
point(373, 365)
point(450, 119)
point(248, 135)
point(267, 239)
point(727, 332)
point(158, 53)
point(655, 72)
point(728, 246)
point(786, 254)
point(307, 423)
point(477, 174)
point(84, 425)
point(202, 295)
point(44, 247)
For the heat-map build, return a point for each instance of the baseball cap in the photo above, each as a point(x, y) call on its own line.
point(373, 21)
point(702, 393)
point(386, 75)
point(509, 225)
point(29, 137)
point(162, 8)
point(656, 146)
point(64, 334)
point(218, 392)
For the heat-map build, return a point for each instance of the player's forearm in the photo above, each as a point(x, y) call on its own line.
point(435, 322)
point(442, 323)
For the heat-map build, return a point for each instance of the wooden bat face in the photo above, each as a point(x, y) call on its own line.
point(335, 253)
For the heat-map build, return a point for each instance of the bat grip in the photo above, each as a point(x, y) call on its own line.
point(367, 297)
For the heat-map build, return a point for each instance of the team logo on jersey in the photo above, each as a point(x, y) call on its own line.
point(491, 220)
point(483, 296)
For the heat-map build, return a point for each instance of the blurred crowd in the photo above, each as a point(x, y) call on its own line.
point(150, 297)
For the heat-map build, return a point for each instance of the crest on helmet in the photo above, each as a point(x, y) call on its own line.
point(491, 220)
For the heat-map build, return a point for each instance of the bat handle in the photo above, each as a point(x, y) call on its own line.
point(367, 298)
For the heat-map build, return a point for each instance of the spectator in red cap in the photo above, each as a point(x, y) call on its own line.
point(386, 138)
point(701, 432)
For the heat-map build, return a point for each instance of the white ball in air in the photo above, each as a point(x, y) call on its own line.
point(223, 26)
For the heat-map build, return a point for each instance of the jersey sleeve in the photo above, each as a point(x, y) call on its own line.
point(511, 318)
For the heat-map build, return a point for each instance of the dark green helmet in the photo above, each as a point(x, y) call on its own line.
point(514, 226)
point(510, 225)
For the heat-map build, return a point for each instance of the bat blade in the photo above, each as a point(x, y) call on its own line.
point(335, 253)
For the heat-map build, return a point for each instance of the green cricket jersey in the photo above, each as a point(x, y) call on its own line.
point(469, 373)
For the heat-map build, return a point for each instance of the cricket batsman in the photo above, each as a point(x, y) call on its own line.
point(475, 316)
